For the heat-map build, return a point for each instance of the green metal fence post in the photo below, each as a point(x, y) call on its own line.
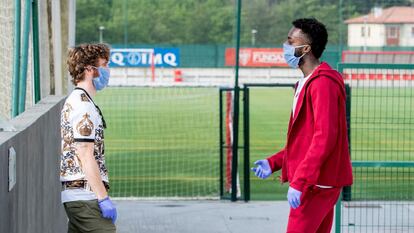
point(236, 106)
point(246, 121)
point(16, 58)
point(346, 193)
point(338, 216)
point(221, 143)
point(24, 57)
point(36, 62)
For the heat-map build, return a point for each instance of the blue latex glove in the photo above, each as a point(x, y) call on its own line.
point(107, 208)
point(263, 169)
point(293, 197)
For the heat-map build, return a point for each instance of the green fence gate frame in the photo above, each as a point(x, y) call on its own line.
point(222, 146)
point(346, 195)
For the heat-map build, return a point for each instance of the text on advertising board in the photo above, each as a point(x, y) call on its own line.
point(160, 57)
point(256, 57)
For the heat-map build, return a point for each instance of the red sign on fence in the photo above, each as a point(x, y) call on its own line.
point(256, 57)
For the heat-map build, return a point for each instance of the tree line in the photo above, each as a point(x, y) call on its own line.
point(263, 22)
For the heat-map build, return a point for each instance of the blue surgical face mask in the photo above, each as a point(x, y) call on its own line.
point(289, 54)
point(102, 80)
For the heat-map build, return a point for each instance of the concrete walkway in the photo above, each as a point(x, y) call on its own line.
point(253, 217)
point(201, 216)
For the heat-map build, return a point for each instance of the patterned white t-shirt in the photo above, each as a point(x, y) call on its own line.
point(81, 121)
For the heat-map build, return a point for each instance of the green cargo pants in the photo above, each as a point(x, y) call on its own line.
point(85, 216)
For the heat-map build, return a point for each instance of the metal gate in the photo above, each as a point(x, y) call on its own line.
point(380, 113)
point(382, 149)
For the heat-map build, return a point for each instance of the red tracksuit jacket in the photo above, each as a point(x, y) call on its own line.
point(316, 151)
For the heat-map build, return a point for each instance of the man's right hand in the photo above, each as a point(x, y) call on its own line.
point(108, 209)
point(263, 169)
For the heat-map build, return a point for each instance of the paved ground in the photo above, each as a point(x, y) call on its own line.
point(201, 217)
point(253, 217)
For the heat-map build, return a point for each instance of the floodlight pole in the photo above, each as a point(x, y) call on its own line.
point(254, 32)
point(101, 28)
point(236, 107)
point(341, 28)
point(125, 10)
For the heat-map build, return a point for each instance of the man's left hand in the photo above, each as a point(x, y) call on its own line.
point(108, 209)
point(293, 197)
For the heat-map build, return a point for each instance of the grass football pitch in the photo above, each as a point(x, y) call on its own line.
point(164, 141)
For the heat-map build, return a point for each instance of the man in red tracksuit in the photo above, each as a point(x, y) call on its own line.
point(315, 160)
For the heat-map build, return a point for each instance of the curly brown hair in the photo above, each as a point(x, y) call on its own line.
point(84, 55)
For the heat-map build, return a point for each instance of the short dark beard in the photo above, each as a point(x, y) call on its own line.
point(298, 53)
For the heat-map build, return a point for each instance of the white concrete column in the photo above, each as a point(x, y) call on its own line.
point(57, 47)
point(71, 34)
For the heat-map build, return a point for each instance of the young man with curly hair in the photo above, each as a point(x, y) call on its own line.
point(315, 160)
point(83, 172)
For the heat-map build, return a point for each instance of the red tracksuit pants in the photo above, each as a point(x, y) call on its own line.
point(315, 213)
